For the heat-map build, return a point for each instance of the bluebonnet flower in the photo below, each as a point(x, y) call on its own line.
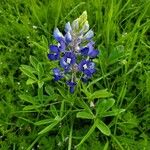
point(87, 67)
point(89, 50)
point(71, 84)
point(67, 60)
point(75, 52)
point(54, 52)
point(57, 74)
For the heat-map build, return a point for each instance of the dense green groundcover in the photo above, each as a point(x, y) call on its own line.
point(37, 113)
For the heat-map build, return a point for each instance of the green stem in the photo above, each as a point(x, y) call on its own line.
point(70, 135)
point(40, 94)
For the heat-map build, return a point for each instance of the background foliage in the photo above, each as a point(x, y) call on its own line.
point(36, 113)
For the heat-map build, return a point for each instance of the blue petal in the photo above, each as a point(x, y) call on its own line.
point(53, 56)
point(91, 69)
point(80, 66)
point(88, 72)
point(57, 74)
point(56, 78)
point(91, 65)
point(85, 78)
point(93, 53)
point(64, 64)
point(84, 51)
point(56, 71)
point(68, 27)
point(58, 35)
point(71, 84)
point(68, 37)
point(72, 89)
point(62, 46)
point(54, 48)
point(70, 55)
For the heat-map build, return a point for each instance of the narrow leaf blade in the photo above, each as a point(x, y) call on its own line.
point(103, 127)
point(85, 115)
point(50, 127)
point(100, 94)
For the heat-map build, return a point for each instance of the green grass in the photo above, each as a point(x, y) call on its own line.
point(40, 114)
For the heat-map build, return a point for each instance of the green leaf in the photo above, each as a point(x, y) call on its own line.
point(113, 112)
point(87, 135)
point(33, 61)
point(51, 126)
point(31, 107)
point(82, 104)
point(85, 115)
point(45, 121)
point(44, 40)
point(28, 72)
point(103, 127)
point(106, 146)
point(29, 68)
point(30, 81)
point(49, 90)
point(105, 105)
point(40, 70)
point(27, 98)
point(40, 83)
point(39, 46)
point(53, 110)
point(100, 94)
point(85, 91)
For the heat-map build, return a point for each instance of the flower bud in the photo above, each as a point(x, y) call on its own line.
point(68, 27)
point(89, 35)
point(75, 25)
point(58, 35)
point(68, 37)
point(84, 28)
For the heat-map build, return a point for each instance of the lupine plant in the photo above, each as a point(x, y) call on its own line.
point(37, 113)
point(74, 52)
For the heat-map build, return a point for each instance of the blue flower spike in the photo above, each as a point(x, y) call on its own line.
point(75, 52)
